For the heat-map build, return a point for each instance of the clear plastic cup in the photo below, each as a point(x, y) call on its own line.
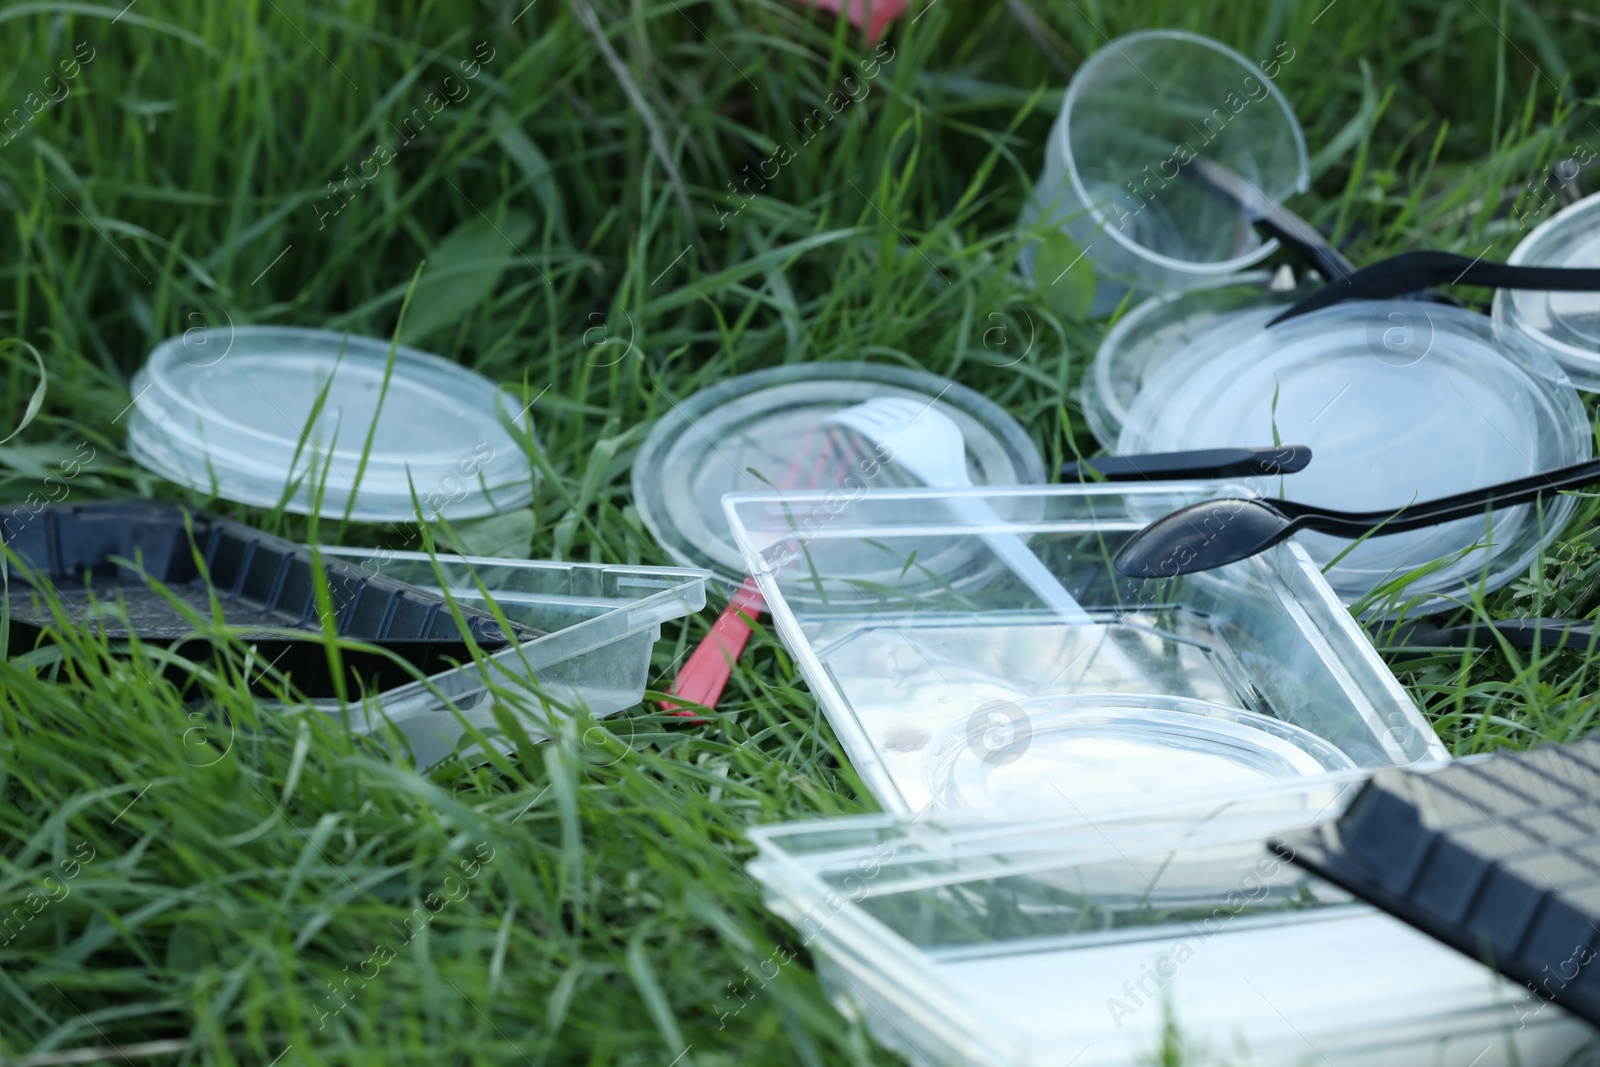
point(1117, 175)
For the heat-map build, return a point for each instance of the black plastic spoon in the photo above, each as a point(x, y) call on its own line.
point(1214, 533)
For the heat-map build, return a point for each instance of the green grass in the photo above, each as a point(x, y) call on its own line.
point(185, 181)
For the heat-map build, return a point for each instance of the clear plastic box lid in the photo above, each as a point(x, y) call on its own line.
point(1566, 325)
point(234, 412)
point(956, 685)
point(1094, 938)
point(769, 430)
point(1399, 401)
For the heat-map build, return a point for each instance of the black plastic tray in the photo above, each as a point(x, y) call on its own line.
point(90, 554)
point(1498, 858)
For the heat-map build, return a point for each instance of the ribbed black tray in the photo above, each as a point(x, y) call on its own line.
point(91, 553)
point(1498, 858)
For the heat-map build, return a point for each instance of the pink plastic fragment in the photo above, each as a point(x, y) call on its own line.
point(871, 15)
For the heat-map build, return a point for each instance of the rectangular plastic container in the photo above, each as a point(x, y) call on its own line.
point(1090, 939)
point(911, 629)
point(599, 623)
point(148, 570)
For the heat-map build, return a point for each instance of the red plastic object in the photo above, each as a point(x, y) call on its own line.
point(873, 16)
point(706, 674)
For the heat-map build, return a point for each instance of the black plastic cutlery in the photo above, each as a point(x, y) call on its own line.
point(1291, 231)
point(1410, 272)
point(1214, 533)
point(1194, 464)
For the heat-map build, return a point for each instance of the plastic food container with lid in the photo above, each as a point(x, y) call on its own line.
point(1566, 325)
point(770, 430)
point(950, 682)
point(263, 414)
point(1099, 937)
point(1399, 401)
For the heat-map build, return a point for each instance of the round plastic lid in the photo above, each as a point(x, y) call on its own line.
point(769, 431)
point(1174, 327)
point(230, 412)
point(1567, 325)
point(1085, 747)
point(1399, 401)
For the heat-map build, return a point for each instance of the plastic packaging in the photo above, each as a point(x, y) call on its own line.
point(1095, 938)
point(1399, 400)
point(235, 412)
point(100, 560)
point(599, 624)
point(1494, 857)
point(1117, 174)
point(908, 626)
point(770, 429)
point(1566, 325)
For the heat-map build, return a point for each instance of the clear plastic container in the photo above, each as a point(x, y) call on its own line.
point(1091, 938)
point(770, 429)
point(1567, 325)
point(908, 625)
point(1400, 401)
point(598, 622)
point(1175, 328)
point(235, 412)
point(1117, 177)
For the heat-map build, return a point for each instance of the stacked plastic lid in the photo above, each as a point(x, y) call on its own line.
point(1566, 325)
point(771, 429)
point(1092, 937)
point(1399, 400)
point(263, 414)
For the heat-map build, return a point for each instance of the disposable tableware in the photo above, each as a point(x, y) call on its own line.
point(1198, 463)
point(769, 429)
point(330, 422)
point(928, 444)
point(1088, 936)
point(1213, 533)
point(158, 572)
point(950, 681)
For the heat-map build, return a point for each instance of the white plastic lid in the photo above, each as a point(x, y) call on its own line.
point(1400, 401)
point(770, 430)
point(1567, 325)
point(1086, 747)
point(230, 412)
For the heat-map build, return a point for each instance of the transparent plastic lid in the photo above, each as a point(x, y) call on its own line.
point(1086, 747)
point(1399, 401)
point(235, 412)
point(770, 430)
point(1173, 328)
point(1567, 325)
